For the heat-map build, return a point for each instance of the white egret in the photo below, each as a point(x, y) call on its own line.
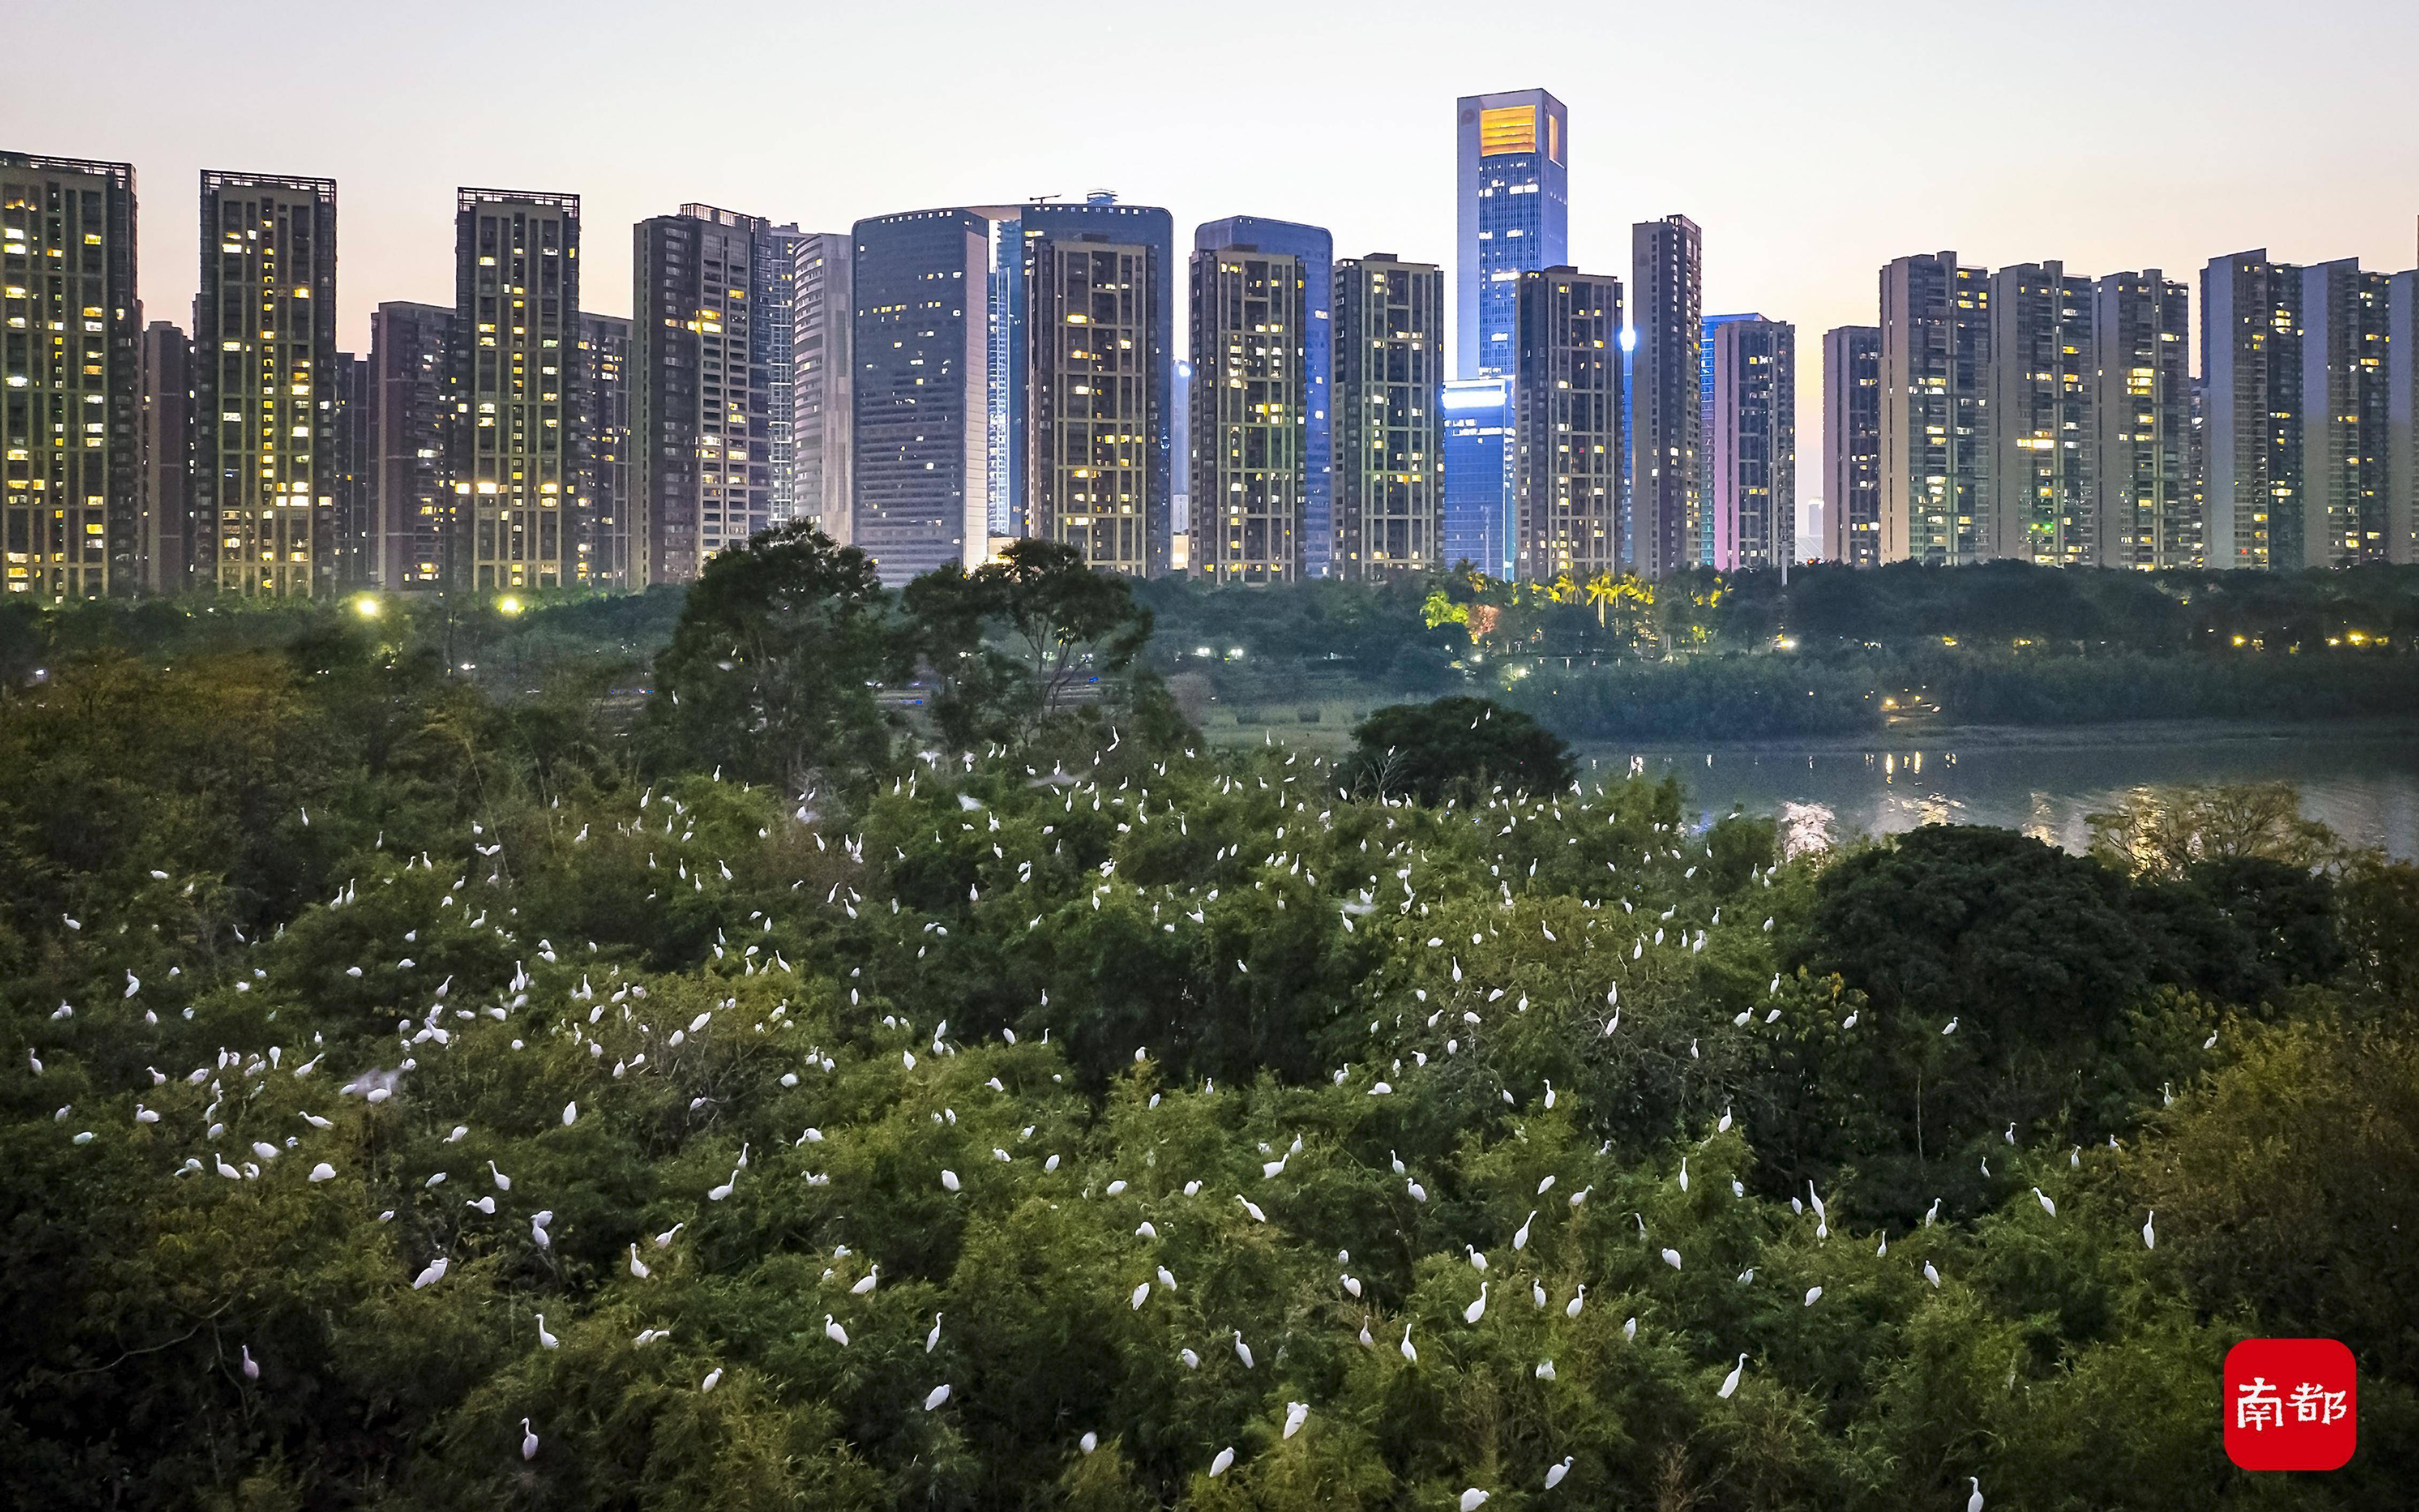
point(1088, 1442)
point(570, 1114)
point(1477, 1261)
point(1813, 1295)
point(948, 1180)
point(1472, 1499)
point(2047, 1206)
point(1578, 1300)
point(638, 1266)
point(713, 1378)
point(1730, 1382)
point(1671, 1258)
point(545, 1339)
point(251, 1366)
point(1476, 1310)
point(1629, 1329)
point(664, 1240)
point(838, 1335)
point(1554, 1476)
point(434, 1273)
point(872, 1279)
point(529, 1441)
point(1521, 1237)
point(323, 1172)
point(1297, 1414)
point(1409, 1353)
point(1537, 1293)
point(1242, 1350)
point(1973, 1503)
point(934, 1399)
point(503, 1182)
point(1932, 1275)
point(932, 1340)
point(2150, 1235)
point(1141, 1294)
point(1225, 1457)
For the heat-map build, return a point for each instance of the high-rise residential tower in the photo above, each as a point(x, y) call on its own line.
point(701, 403)
point(2041, 410)
point(1250, 415)
point(1082, 315)
point(2142, 479)
point(1666, 399)
point(352, 537)
point(1706, 327)
point(1512, 210)
point(1851, 445)
point(601, 423)
point(1569, 460)
point(1936, 461)
point(2346, 393)
point(1390, 435)
point(2251, 430)
point(516, 306)
point(164, 442)
point(1752, 443)
point(264, 487)
point(69, 377)
point(821, 316)
point(414, 356)
point(774, 329)
point(2402, 419)
point(1315, 250)
point(921, 391)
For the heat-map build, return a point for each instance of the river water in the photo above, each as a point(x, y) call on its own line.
point(2360, 780)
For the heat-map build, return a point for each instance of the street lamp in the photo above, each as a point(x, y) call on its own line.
point(508, 605)
point(366, 607)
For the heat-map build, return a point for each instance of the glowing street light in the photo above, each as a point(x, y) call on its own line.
point(508, 605)
point(366, 607)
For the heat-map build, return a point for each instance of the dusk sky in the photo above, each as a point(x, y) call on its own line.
point(1811, 142)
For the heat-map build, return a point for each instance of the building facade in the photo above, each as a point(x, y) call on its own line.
point(1512, 216)
point(1251, 415)
point(2402, 418)
point(163, 435)
point(352, 540)
point(601, 426)
point(516, 307)
point(702, 401)
point(1752, 443)
point(414, 414)
point(2144, 504)
point(1568, 461)
point(264, 486)
point(821, 318)
point(1082, 317)
point(71, 329)
point(1935, 455)
point(920, 394)
point(1851, 445)
point(2251, 426)
point(1481, 527)
point(1389, 325)
point(1666, 399)
point(1315, 250)
point(2043, 413)
point(2346, 401)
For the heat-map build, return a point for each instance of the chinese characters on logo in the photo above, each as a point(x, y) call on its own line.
point(2290, 1404)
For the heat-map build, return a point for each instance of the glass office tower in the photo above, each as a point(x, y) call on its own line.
point(1478, 525)
point(1512, 212)
point(920, 390)
point(1315, 250)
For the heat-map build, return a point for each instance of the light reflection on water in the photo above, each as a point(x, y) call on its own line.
point(2365, 785)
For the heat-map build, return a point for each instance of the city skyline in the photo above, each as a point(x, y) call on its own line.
point(1802, 245)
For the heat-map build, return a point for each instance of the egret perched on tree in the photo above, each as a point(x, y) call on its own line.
point(1730, 1382)
point(1242, 1350)
point(838, 1335)
point(1578, 1300)
point(934, 1399)
point(251, 1366)
point(1297, 1414)
point(1555, 1473)
point(1225, 1457)
point(545, 1339)
point(529, 1441)
point(1973, 1503)
point(1409, 1353)
point(2150, 1235)
point(2047, 1206)
point(1472, 1499)
point(1476, 1310)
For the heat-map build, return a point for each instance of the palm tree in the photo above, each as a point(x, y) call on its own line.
point(1601, 592)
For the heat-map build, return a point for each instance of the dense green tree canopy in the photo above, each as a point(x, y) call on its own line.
point(1455, 746)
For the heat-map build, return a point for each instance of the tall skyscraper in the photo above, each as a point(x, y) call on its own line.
point(70, 377)
point(352, 537)
point(1936, 462)
point(1481, 524)
point(2145, 507)
point(516, 305)
point(1083, 316)
point(700, 410)
point(601, 426)
point(1666, 402)
point(1706, 327)
point(1179, 427)
point(2402, 419)
point(1567, 403)
point(1250, 410)
point(264, 497)
point(1851, 445)
point(415, 352)
point(163, 432)
point(775, 333)
point(1512, 212)
point(1752, 443)
point(2345, 395)
point(921, 350)
point(821, 316)
point(2043, 401)
point(2250, 377)
point(1315, 250)
point(1390, 433)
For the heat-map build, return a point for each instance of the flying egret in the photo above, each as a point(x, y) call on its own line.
point(1730, 1382)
